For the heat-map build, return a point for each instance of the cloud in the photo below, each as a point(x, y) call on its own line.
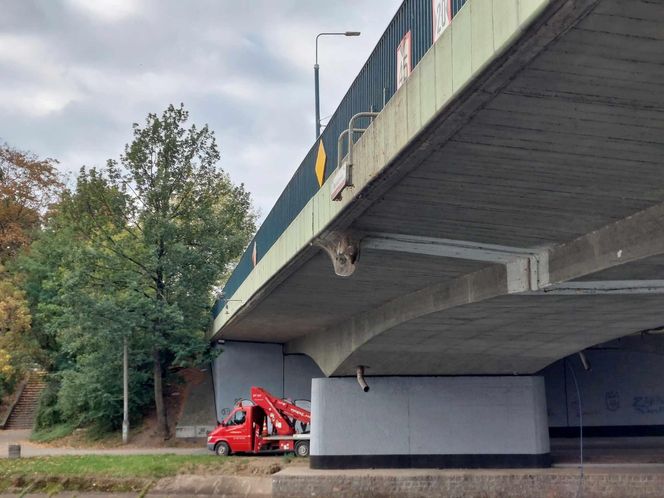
point(107, 10)
point(78, 73)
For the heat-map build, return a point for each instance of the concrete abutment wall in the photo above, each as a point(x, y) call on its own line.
point(244, 364)
point(622, 393)
point(468, 422)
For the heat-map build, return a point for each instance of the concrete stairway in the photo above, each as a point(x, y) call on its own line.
point(23, 414)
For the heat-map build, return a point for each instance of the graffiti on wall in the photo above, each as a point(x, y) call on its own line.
point(612, 400)
point(648, 405)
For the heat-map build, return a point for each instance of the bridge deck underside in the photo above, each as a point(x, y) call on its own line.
point(504, 335)
point(572, 144)
point(315, 298)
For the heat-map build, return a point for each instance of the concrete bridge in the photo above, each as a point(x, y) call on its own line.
point(506, 207)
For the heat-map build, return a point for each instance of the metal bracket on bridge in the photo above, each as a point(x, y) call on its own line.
point(603, 287)
point(343, 249)
point(527, 269)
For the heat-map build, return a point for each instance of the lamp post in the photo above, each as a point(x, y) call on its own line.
point(316, 67)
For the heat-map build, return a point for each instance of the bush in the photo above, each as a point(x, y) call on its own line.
point(48, 413)
point(88, 393)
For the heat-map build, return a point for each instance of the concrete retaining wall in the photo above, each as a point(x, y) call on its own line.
point(197, 416)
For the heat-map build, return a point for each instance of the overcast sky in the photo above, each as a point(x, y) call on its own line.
point(75, 75)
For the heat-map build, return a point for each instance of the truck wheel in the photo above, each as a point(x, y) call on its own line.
point(222, 449)
point(302, 449)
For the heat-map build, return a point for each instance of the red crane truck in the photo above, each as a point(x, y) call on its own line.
point(246, 429)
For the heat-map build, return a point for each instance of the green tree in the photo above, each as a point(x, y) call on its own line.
point(85, 302)
point(170, 221)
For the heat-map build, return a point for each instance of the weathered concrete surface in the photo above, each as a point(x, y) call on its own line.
point(631, 239)
point(507, 334)
point(611, 482)
point(190, 485)
point(329, 354)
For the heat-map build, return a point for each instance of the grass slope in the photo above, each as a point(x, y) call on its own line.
point(115, 466)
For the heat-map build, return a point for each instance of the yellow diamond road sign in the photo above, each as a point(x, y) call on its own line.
point(320, 164)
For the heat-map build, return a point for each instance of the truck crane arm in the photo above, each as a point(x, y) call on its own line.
point(278, 409)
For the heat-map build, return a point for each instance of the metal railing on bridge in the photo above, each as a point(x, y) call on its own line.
point(372, 88)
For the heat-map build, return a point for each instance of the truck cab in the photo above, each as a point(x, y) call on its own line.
point(238, 429)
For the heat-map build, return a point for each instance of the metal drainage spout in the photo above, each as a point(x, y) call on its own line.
point(584, 361)
point(360, 379)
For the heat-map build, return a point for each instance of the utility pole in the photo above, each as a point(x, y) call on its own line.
point(125, 379)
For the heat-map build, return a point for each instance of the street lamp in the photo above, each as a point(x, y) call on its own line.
point(316, 84)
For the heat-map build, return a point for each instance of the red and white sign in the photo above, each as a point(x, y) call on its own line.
point(340, 180)
point(441, 15)
point(404, 59)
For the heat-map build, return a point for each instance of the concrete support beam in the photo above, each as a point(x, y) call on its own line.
point(636, 237)
point(429, 422)
point(449, 248)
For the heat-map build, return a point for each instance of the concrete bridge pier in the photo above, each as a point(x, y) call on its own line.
point(430, 422)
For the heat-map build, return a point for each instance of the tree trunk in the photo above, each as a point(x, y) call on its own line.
point(162, 421)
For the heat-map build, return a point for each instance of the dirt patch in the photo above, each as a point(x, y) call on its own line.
point(246, 466)
point(260, 465)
